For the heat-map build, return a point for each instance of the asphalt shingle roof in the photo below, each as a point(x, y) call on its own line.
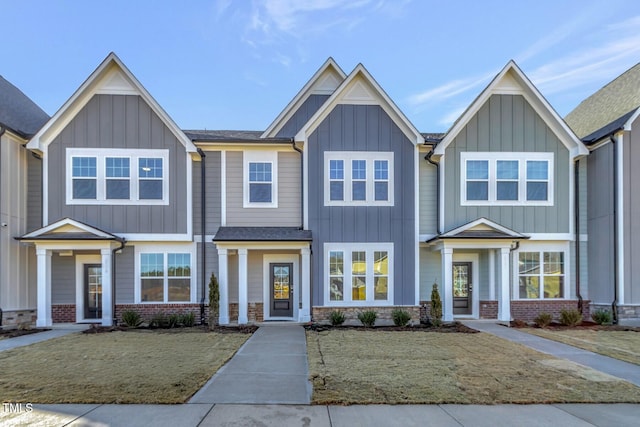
point(618, 98)
point(252, 234)
point(230, 136)
point(18, 112)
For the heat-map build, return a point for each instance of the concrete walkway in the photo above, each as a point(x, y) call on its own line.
point(271, 367)
point(608, 365)
point(58, 331)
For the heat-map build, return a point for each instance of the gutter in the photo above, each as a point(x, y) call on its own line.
point(614, 303)
point(293, 145)
point(123, 243)
point(437, 165)
point(576, 210)
point(203, 210)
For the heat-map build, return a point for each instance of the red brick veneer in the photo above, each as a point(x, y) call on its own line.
point(63, 313)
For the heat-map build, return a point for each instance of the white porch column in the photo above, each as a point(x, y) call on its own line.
point(243, 303)
point(44, 288)
point(223, 283)
point(107, 289)
point(504, 297)
point(492, 274)
point(447, 286)
point(305, 284)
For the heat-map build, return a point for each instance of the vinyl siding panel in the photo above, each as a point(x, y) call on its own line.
point(63, 279)
point(211, 266)
point(430, 272)
point(507, 123)
point(125, 276)
point(212, 193)
point(302, 115)
point(631, 177)
point(34, 193)
point(120, 121)
point(427, 197)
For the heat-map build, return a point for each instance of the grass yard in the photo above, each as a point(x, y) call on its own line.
point(621, 345)
point(115, 367)
point(351, 367)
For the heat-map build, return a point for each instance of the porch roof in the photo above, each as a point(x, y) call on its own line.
point(262, 234)
point(481, 229)
point(68, 229)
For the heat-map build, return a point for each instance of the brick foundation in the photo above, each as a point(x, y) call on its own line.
point(147, 311)
point(255, 312)
point(489, 309)
point(18, 318)
point(624, 311)
point(63, 313)
point(320, 314)
point(529, 310)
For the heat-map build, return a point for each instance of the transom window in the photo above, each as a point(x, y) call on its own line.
point(165, 277)
point(260, 179)
point(506, 178)
point(106, 176)
point(359, 273)
point(358, 178)
point(541, 275)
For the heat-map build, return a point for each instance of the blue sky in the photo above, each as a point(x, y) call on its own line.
point(235, 64)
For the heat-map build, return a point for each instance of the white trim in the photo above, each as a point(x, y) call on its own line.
point(45, 186)
point(270, 157)
point(189, 177)
point(441, 193)
point(620, 214)
point(446, 256)
point(223, 281)
point(553, 236)
point(223, 188)
point(43, 295)
point(492, 157)
point(528, 246)
point(305, 184)
point(156, 237)
point(81, 260)
point(101, 154)
point(64, 223)
point(492, 274)
point(416, 222)
point(262, 245)
point(474, 259)
point(483, 222)
point(243, 286)
point(369, 157)
point(266, 285)
point(369, 249)
point(629, 123)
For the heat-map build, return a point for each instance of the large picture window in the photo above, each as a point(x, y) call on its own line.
point(541, 274)
point(165, 277)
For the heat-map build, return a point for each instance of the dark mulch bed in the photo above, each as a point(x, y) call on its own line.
point(555, 326)
point(12, 333)
point(241, 329)
point(453, 327)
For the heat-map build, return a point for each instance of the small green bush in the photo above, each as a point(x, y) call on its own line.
point(400, 317)
point(158, 320)
point(570, 317)
point(131, 318)
point(173, 321)
point(188, 319)
point(336, 318)
point(214, 301)
point(436, 306)
point(543, 320)
point(368, 318)
point(601, 317)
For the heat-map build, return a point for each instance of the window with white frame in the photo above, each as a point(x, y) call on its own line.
point(359, 273)
point(496, 178)
point(541, 274)
point(355, 178)
point(117, 176)
point(260, 179)
point(165, 277)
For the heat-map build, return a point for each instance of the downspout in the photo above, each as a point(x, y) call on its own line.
point(203, 210)
point(437, 165)
point(123, 242)
point(293, 144)
point(614, 303)
point(576, 210)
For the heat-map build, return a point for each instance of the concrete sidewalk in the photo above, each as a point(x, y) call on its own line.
point(626, 371)
point(270, 368)
point(199, 414)
point(58, 331)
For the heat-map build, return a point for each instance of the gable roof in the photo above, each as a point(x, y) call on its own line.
point(481, 228)
point(18, 112)
point(616, 99)
point(361, 88)
point(323, 82)
point(266, 234)
point(111, 77)
point(512, 81)
point(68, 229)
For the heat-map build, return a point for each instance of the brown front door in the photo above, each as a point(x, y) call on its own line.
point(281, 289)
point(93, 291)
point(462, 288)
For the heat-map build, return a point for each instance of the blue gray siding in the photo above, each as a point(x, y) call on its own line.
point(212, 196)
point(364, 128)
point(302, 115)
point(34, 193)
point(430, 272)
point(507, 123)
point(211, 266)
point(63, 279)
point(428, 197)
point(120, 121)
point(125, 275)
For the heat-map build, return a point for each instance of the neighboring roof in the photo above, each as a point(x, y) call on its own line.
point(432, 137)
point(481, 228)
point(616, 99)
point(111, 77)
point(18, 112)
point(609, 129)
point(69, 229)
point(512, 81)
point(231, 136)
point(253, 234)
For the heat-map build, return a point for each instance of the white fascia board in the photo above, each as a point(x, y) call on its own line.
point(629, 123)
point(483, 221)
point(71, 222)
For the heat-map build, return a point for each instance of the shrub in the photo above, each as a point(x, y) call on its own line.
point(570, 317)
point(543, 320)
point(368, 318)
point(188, 319)
point(173, 321)
point(336, 318)
point(158, 320)
point(214, 301)
point(400, 317)
point(601, 317)
point(436, 306)
point(131, 318)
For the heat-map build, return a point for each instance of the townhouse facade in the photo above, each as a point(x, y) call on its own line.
point(340, 204)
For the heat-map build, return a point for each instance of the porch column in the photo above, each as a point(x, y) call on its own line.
point(107, 288)
point(504, 297)
point(492, 274)
point(44, 288)
point(447, 286)
point(223, 263)
point(305, 284)
point(243, 304)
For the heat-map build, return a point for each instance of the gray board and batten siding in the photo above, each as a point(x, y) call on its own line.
point(631, 209)
point(127, 122)
point(364, 128)
point(34, 193)
point(302, 115)
point(507, 123)
point(212, 194)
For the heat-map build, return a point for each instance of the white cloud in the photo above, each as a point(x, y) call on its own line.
point(452, 116)
point(449, 89)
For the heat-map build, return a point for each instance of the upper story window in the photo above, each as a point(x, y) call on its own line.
point(117, 176)
point(355, 178)
point(260, 179)
point(495, 178)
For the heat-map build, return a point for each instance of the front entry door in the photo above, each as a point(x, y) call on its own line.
point(281, 289)
point(462, 288)
point(93, 291)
